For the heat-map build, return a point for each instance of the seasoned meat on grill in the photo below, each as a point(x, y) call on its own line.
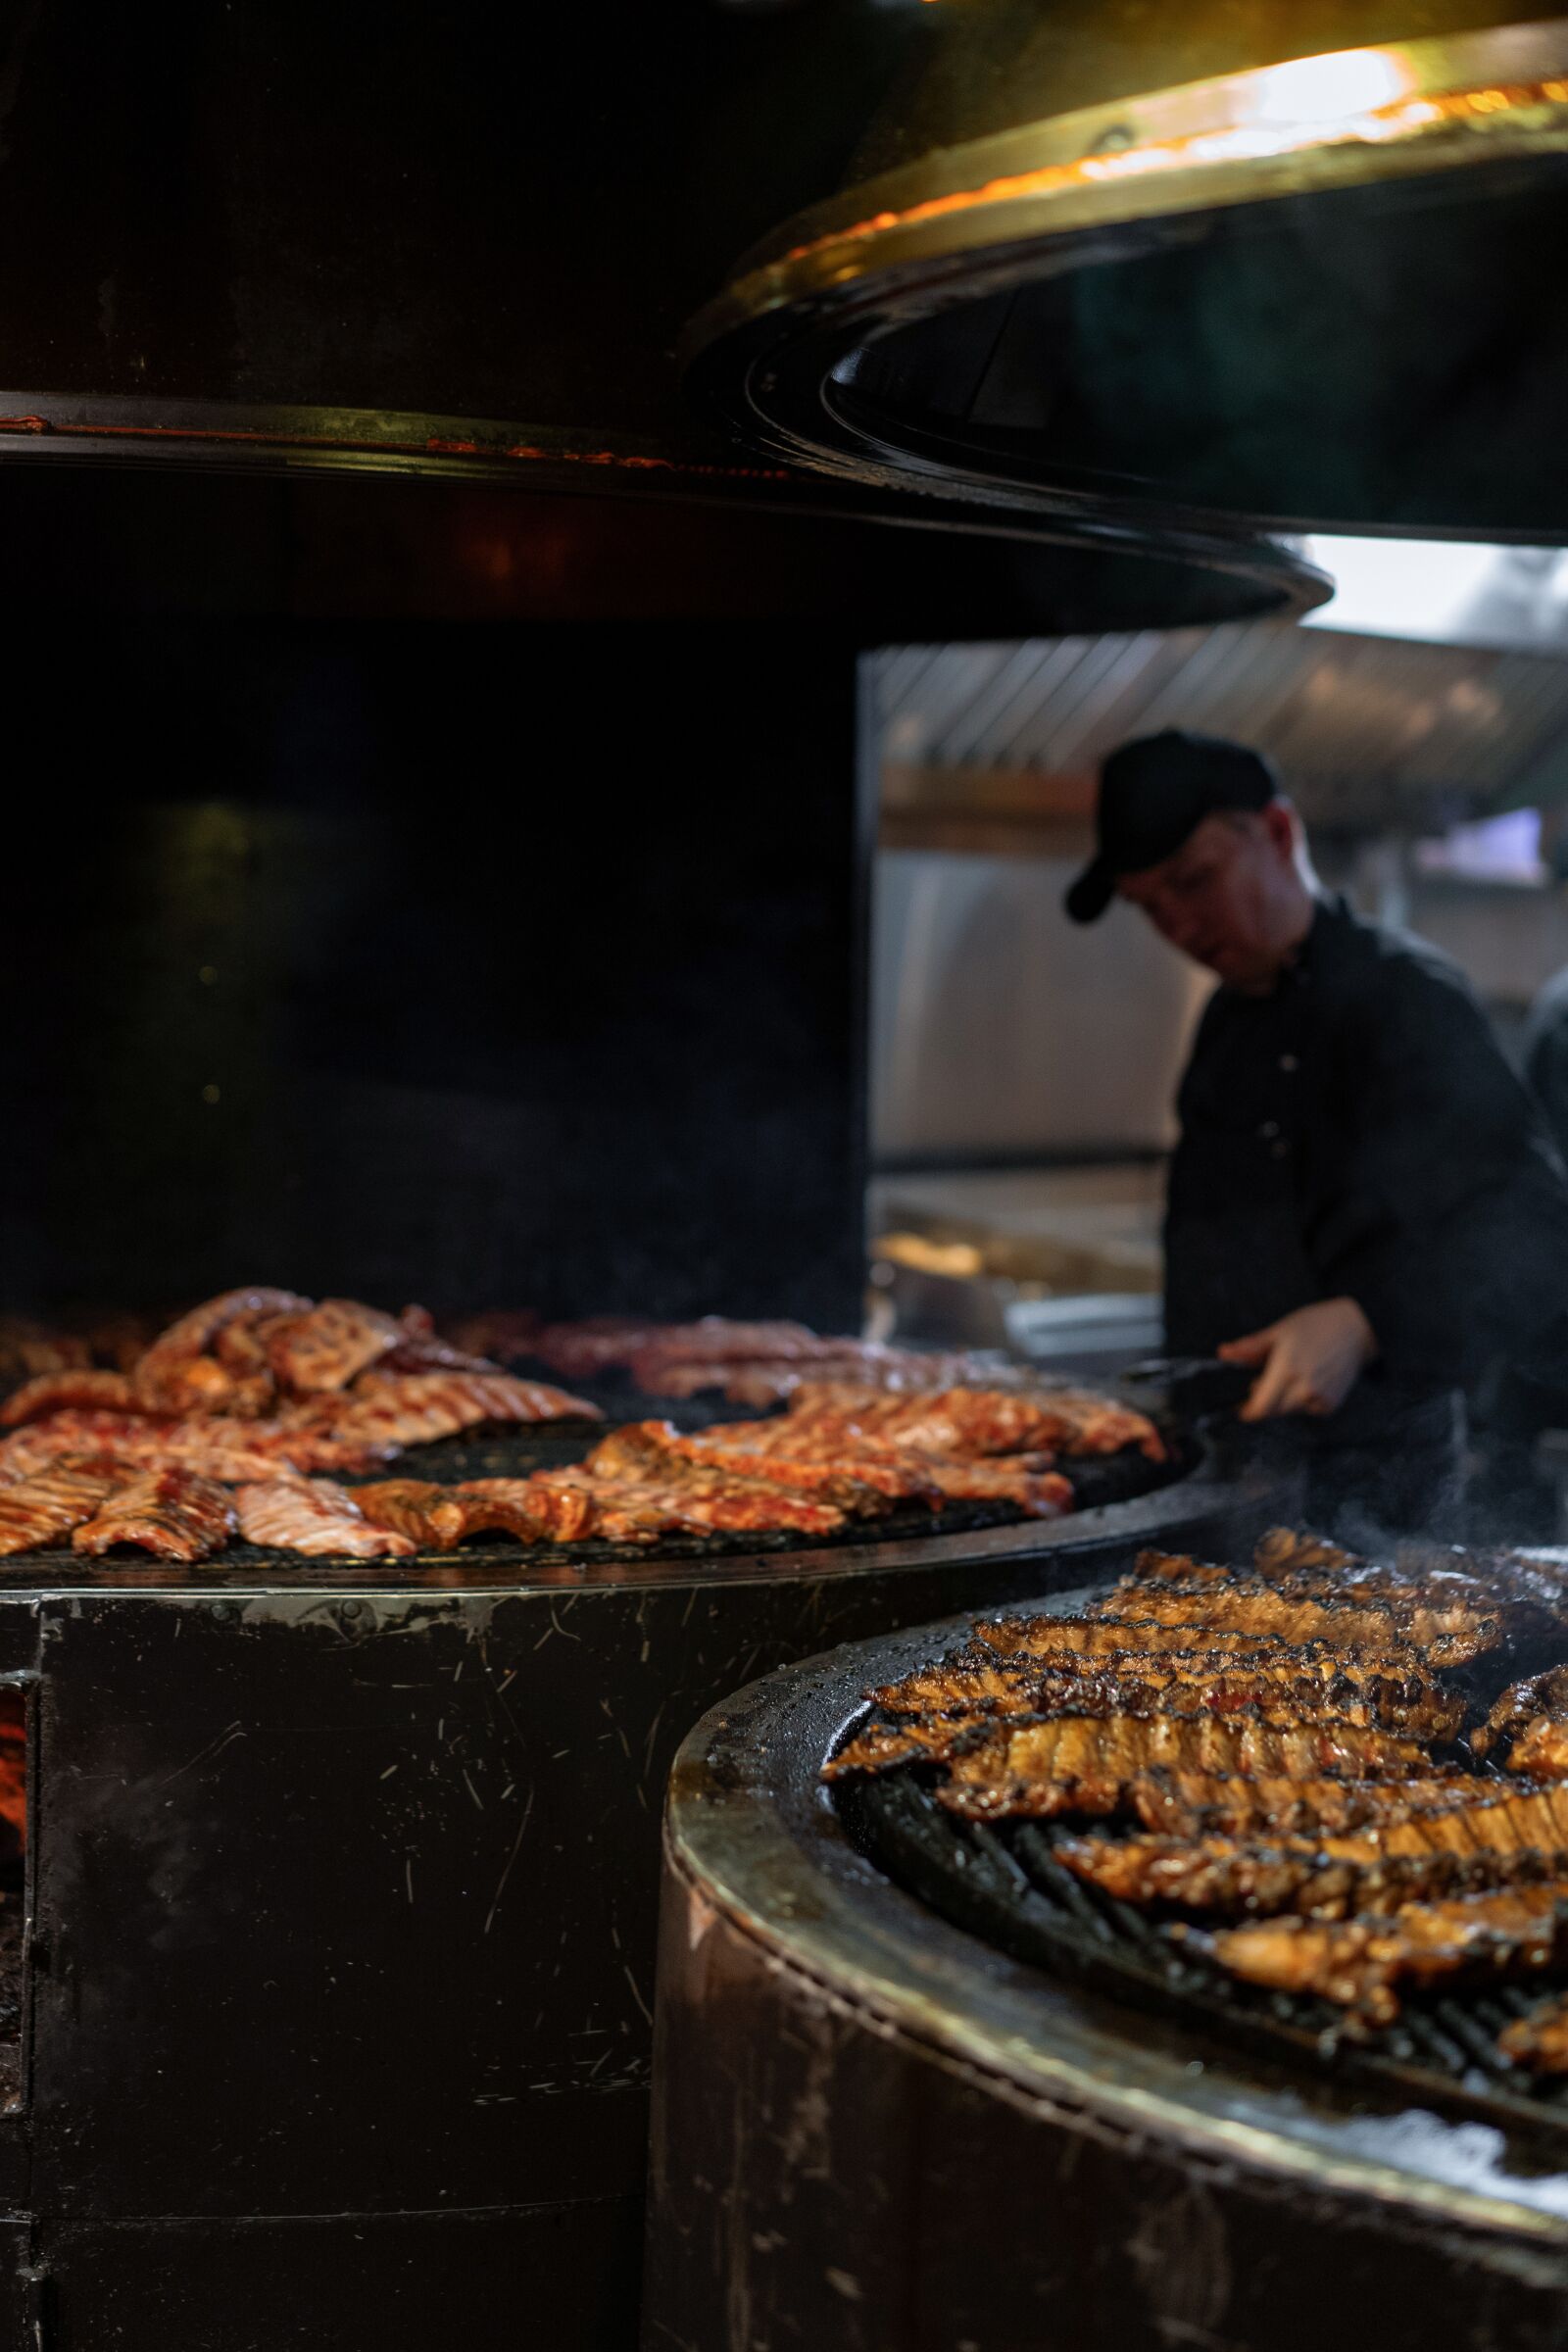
point(330, 1346)
point(861, 1478)
point(171, 1512)
point(317, 1517)
point(163, 1374)
point(1105, 1637)
point(513, 1506)
point(965, 1424)
point(420, 1348)
point(1446, 1634)
point(1302, 1684)
point(50, 1392)
point(411, 1408)
point(38, 1511)
point(637, 1458)
point(1078, 1764)
point(1340, 1878)
point(1533, 1716)
point(1539, 2040)
point(1285, 1550)
point(416, 1508)
point(569, 1506)
point(1188, 1805)
point(1358, 1962)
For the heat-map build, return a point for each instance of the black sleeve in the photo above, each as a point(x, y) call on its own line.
point(1453, 1232)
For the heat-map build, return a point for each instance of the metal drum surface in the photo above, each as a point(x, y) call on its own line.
point(343, 1885)
point(871, 2128)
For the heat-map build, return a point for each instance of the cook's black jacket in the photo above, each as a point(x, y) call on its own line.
point(1357, 1132)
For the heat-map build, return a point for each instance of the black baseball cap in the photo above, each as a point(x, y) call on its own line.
point(1156, 791)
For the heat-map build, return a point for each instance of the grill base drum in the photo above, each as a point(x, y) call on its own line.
point(922, 2140)
point(342, 1891)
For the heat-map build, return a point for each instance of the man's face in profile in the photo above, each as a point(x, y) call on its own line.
point(1217, 898)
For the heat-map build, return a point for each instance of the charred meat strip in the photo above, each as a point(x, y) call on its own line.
point(1188, 1805)
point(411, 1408)
point(38, 1511)
point(172, 1512)
point(1302, 1684)
point(1358, 1962)
point(565, 1504)
point(315, 1517)
point(50, 1392)
point(1448, 1635)
point(1078, 1764)
point(1533, 1717)
point(1105, 1637)
point(330, 1346)
point(1342, 1879)
point(861, 1479)
point(1539, 2040)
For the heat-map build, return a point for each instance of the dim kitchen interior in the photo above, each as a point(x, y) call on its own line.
point(644, 1698)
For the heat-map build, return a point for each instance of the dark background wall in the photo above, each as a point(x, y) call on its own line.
point(480, 966)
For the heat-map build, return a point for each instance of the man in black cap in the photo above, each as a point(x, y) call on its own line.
point(1363, 1205)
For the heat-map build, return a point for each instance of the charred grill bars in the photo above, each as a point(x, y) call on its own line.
point(1169, 2163)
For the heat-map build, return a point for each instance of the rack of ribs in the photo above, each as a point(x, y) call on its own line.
point(1338, 1879)
point(1091, 1764)
point(1108, 1637)
point(1185, 1683)
point(172, 1512)
point(37, 1511)
point(1356, 1963)
point(1184, 1805)
point(330, 1346)
point(315, 1517)
point(1448, 1634)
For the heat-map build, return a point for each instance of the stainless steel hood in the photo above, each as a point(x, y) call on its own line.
point(1205, 257)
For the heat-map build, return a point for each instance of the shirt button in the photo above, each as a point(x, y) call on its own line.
point(1269, 1127)
point(1288, 1061)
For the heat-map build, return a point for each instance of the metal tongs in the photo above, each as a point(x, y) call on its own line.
point(1193, 1385)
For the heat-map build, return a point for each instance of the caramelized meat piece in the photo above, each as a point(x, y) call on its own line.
point(918, 1738)
point(315, 1517)
point(160, 1374)
point(50, 1392)
point(860, 1481)
point(1186, 1804)
point(173, 1513)
point(515, 1507)
point(1448, 1635)
point(330, 1346)
point(1533, 1717)
point(38, 1511)
point(1077, 1764)
point(1358, 1962)
point(411, 1408)
point(564, 1501)
point(420, 1348)
point(1342, 1879)
point(416, 1508)
point(1539, 2040)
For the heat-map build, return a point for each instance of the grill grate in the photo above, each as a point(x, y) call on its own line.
point(1003, 1883)
point(514, 1451)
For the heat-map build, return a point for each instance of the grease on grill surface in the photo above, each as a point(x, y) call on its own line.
point(1412, 1923)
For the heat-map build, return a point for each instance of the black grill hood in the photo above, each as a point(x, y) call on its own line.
point(449, 253)
point(1286, 261)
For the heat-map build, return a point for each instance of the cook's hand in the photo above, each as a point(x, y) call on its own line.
point(1312, 1359)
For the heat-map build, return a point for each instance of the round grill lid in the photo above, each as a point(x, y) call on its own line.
point(1084, 254)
